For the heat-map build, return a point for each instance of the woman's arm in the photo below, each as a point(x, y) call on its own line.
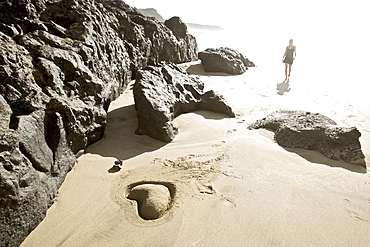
point(295, 52)
point(284, 54)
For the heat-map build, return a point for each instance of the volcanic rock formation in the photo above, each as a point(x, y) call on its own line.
point(61, 64)
point(164, 92)
point(313, 131)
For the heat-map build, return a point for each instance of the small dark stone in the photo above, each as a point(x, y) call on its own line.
point(118, 163)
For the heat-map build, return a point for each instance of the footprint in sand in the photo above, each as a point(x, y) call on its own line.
point(153, 200)
point(231, 131)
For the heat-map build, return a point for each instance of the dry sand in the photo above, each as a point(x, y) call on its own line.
point(217, 183)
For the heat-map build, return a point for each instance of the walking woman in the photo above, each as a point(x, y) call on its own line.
point(288, 58)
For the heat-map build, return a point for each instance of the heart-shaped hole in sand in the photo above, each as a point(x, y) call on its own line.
point(153, 199)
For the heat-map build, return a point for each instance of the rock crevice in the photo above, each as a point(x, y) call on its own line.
point(61, 64)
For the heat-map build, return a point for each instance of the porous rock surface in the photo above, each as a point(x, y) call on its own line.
point(164, 92)
point(61, 64)
point(314, 131)
point(225, 60)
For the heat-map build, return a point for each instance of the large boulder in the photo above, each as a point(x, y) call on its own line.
point(313, 131)
point(61, 64)
point(225, 60)
point(164, 92)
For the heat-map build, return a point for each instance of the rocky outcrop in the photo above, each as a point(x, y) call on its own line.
point(225, 60)
point(61, 64)
point(164, 92)
point(313, 131)
point(152, 13)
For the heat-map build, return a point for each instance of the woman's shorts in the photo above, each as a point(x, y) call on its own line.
point(288, 60)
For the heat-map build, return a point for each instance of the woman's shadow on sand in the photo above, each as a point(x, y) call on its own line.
point(283, 87)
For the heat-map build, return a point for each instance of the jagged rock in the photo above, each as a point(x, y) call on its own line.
point(164, 92)
point(225, 60)
point(61, 64)
point(5, 113)
point(165, 46)
point(32, 140)
point(313, 131)
point(178, 28)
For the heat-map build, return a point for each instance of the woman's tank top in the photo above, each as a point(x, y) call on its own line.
point(289, 52)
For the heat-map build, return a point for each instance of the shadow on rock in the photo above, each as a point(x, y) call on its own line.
point(198, 69)
point(211, 115)
point(120, 140)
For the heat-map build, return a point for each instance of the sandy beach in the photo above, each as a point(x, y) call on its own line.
point(228, 186)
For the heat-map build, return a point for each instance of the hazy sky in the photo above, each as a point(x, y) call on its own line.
point(332, 36)
point(330, 25)
point(282, 12)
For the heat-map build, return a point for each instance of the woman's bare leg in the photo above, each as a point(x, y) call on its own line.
point(286, 70)
point(289, 69)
